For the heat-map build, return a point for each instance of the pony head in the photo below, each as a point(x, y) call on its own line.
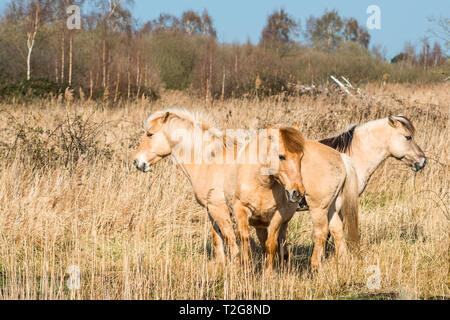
point(402, 145)
point(155, 144)
point(288, 156)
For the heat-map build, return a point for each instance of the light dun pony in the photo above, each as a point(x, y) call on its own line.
point(332, 195)
point(369, 144)
point(174, 128)
point(266, 200)
point(173, 132)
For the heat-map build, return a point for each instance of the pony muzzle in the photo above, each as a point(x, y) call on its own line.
point(294, 195)
point(418, 165)
point(142, 166)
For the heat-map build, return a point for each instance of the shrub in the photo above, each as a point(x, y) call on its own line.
point(29, 89)
point(73, 139)
point(175, 56)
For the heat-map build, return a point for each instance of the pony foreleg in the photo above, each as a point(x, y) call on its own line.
point(320, 225)
point(241, 214)
point(272, 239)
point(220, 216)
point(262, 237)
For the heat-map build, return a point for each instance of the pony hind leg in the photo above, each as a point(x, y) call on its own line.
point(218, 242)
point(337, 229)
point(320, 225)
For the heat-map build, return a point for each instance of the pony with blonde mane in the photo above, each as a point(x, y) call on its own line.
point(371, 143)
point(174, 128)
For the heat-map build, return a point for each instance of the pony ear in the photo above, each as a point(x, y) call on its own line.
point(297, 126)
point(391, 121)
point(166, 116)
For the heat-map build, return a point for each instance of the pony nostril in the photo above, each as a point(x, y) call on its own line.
point(418, 166)
point(135, 163)
point(288, 195)
point(295, 194)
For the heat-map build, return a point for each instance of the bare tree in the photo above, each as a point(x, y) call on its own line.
point(379, 52)
point(443, 30)
point(280, 31)
point(113, 16)
point(326, 29)
point(29, 14)
point(207, 25)
point(192, 23)
point(354, 32)
point(437, 56)
point(410, 52)
point(165, 22)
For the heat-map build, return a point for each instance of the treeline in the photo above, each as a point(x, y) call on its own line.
point(113, 57)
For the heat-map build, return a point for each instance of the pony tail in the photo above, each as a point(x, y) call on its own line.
point(350, 204)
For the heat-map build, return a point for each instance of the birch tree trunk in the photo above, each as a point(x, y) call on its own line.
point(63, 49)
point(31, 36)
point(104, 62)
point(30, 45)
point(116, 94)
point(56, 70)
point(91, 84)
point(70, 57)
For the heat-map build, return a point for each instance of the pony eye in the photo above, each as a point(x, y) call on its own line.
point(408, 137)
point(282, 157)
point(149, 134)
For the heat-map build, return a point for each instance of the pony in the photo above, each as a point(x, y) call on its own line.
point(203, 153)
point(179, 133)
point(262, 198)
point(331, 185)
point(369, 144)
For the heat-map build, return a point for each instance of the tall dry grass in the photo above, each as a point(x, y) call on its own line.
point(143, 236)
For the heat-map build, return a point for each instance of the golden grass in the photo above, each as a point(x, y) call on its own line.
point(143, 236)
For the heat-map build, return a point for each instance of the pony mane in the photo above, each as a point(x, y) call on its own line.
point(292, 139)
point(407, 124)
point(194, 119)
point(341, 142)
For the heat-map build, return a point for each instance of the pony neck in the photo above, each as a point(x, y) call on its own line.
point(193, 163)
point(261, 172)
point(368, 150)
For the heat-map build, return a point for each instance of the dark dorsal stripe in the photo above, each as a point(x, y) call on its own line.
point(340, 142)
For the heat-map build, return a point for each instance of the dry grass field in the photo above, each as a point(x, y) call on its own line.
point(69, 195)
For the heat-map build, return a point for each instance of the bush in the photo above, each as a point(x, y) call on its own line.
point(73, 139)
point(29, 89)
point(175, 57)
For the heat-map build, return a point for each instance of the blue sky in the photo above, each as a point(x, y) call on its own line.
point(239, 20)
